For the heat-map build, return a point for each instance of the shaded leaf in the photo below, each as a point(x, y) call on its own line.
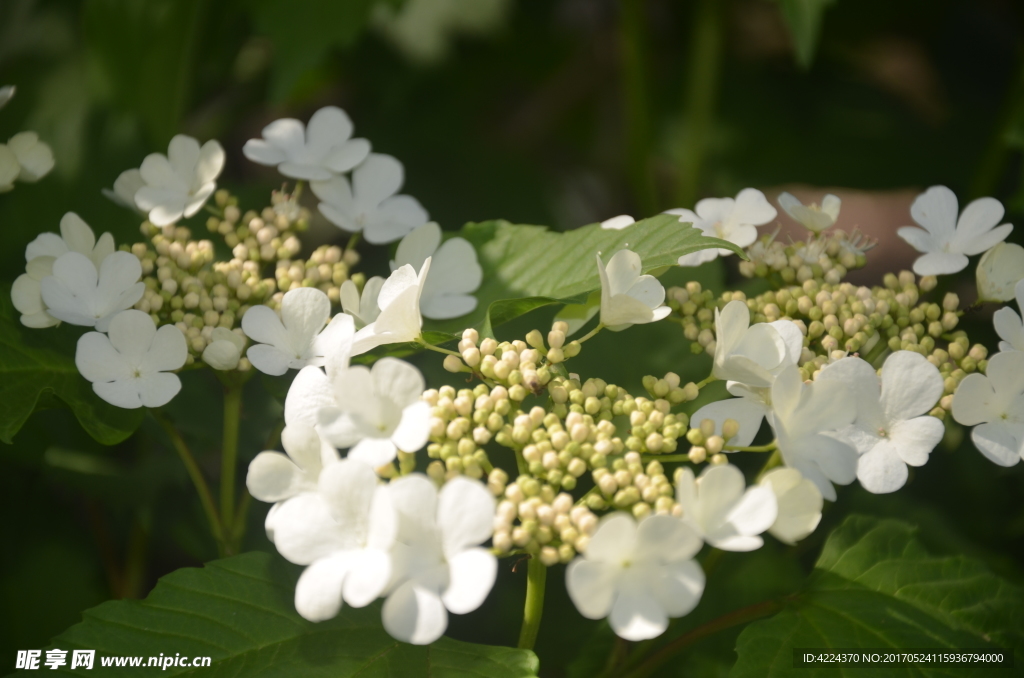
point(803, 19)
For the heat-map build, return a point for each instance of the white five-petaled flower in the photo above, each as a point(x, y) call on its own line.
point(753, 355)
point(618, 223)
point(892, 429)
point(946, 241)
point(79, 294)
point(812, 217)
point(35, 158)
point(806, 419)
point(1009, 325)
point(637, 575)
point(224, 350)
point(314, 152)
point(733, 219)
point(999, 271)
point(130, 365)
point(342, 531)
point(438, 566)
point(993, 404)
point(448, 290)
point(399, 319)
point(799, 502)
point(368, 204)
point(126, 186)
point(179, 184)
point(723, 510)
point(627, 296)
point(362, 307)
point(297, 337)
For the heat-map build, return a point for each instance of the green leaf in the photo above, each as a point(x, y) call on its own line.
point(526, 267)
point(876, 586)
point(37, 367)
point(239, 612)
point(803, 19)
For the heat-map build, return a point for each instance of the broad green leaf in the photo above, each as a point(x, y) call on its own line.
point(803, 19)
point(876, 586)
point(239, 612)
point(37, 370)
point(526, 267)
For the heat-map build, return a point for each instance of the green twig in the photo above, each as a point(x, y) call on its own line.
point(591, 333)
point(536, 578)
point(353, 241)
point(770, 447)
point(229, 452)
point(704, 382)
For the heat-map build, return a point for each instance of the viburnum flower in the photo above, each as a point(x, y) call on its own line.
point(806, 419)
point(131, 365)
point(179, 184)
point(723, 510)
point(637, 575)
point(376, 411)
point(438, 566)
point(315, 152)
point(9, 168)
point(224, 350)
point(362, 307)
point(342, 531)
point(733, 219)
point(799, 502)
point(892, 429)
point(79, 294)
point(448, 290)
point(399, 319)
point(999, 271)
point(1009, 325)
point(35, 158)
point(126, 186)
point(812, 217)
point(947, 241)
point(369, 205)
point(627, 297)
point(297, 337)
point(618, 223)
point(993, 403)
point(753, 355)
point(27, 293)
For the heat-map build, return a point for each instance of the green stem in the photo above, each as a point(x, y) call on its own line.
point(536, 577)
point(701, 384)
point(773, 461)
point(633, 39)
point(229, 452)
point(770, 447)
point(437, 349)
point(353, 241)
point(666, 457)
point(591, 333)
point(297, 193)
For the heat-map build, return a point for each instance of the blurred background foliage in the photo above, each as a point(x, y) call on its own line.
point(555, 112)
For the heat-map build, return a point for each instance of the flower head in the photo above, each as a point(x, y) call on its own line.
point(1008, 324)
point(723, 510)
point(369, 205)
point(315, 152)
point(753, 355)
point(947, 241)
point(733, 219)
point(35, 158)
point(399, 319)
point(448, 290)
point(362, 307)
point(799, 502)
point(994, 404)
point(79, 294)
point(27, 293)
point(126, 186)
point(627, 297)
point(130, 365)
point(75, 236)
point(999, 271)
point(224, 350)
point(179, 184)
point(812, 217)
point(637, 575)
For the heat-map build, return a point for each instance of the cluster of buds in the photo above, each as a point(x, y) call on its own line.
point(533, 518)
point(326, 269)
point(708, 446)
point(626, 484)
point(827, 257)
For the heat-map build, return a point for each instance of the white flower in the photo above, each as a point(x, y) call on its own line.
point(723, 510)
point(753, 355)
point(34, 157)
point(79, 294)
point(735, 220)
point(399, 319)
point(6, 94)
point(1008, 324)
point(438, 565)
point(892, 429)
point(812, 217)
point(369, 205)
point(130, 365)
point(637, 575)
point(627, 297)
point(376, 411)
point(999, 271)
point(297, 337)
point(994, 404)
point(448, 291)
point(179, 184)
point(618, 223)
point(315, 152)
point(9, 168)
point(75, 236)
point(224, 350)
point(343, 532)
point(27, 294)
point(126, 186)
point(946, 241)
point(803, 416)
point(363, 308)
point(799, 503)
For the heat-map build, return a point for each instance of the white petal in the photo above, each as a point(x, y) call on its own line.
point(754, 512)
point(310, 391)
point(940, 263)
point(591, 586)
point(974, 400)
point(719, 488)
point(936, 210)
point(881, 470)
point(347, 155)
point(305, 531)
point(414, 614)
point(747, 413)
point(273, 477)
point(348, 488)
point(799, 503)
point(369, 573)
point(262, 324)
point(447, 306)
point(27, 295)
point(413, 431)
point(421, 243)
point(378, 177)
point(618, 223)
point(665, 539)
point(394, 218)
point(97, 359)
point(636, 615)
point(318, 592)
point(911, 385)
point(1002, 443)
point(472, 575)
point(678, 587)
point(914, 439)
point(167, 351)
point(156, 390)
point(304, 313)
point(328, 127)
point(287, 134)
point(268, 359)
point(465, 514)
point(209, 164)
point(374, 452)
point(304, 447)
point(123, 393)
point(259, 151)
point(415, 499)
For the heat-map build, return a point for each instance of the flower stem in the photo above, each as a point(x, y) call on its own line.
point(704, 382)
point(229, 454)
point(353, 241)
point(430, 347)
point(770, 447)
point(773, 461)
point(591, 333)
point(297, 193)
point(536, 576)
